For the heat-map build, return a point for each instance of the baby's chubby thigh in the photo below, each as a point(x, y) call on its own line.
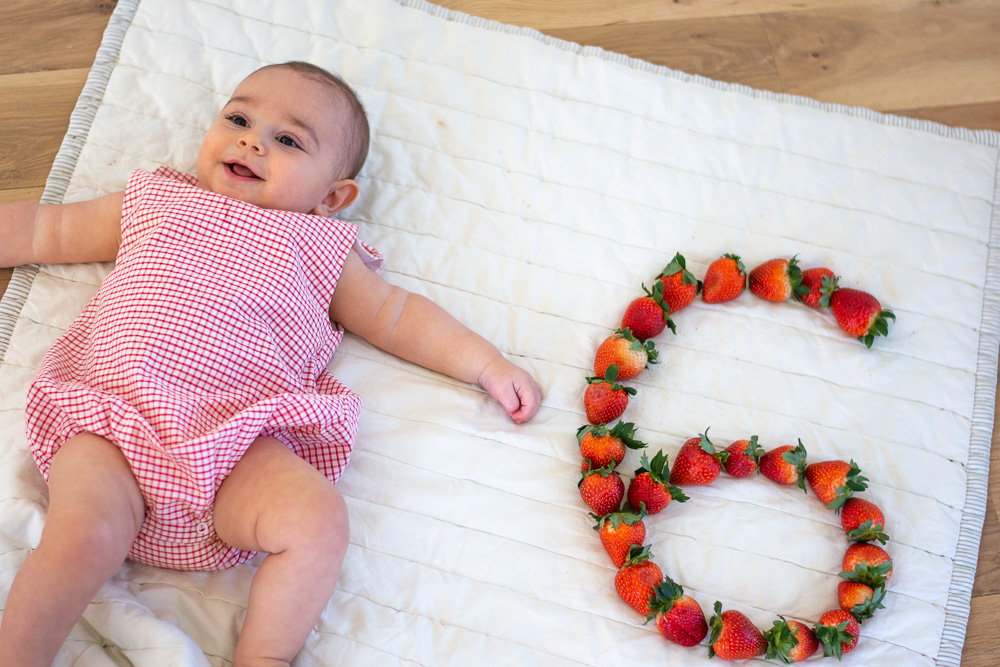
point(274, 500)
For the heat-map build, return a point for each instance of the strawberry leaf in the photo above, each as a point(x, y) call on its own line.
point(865, 610)
point(866, 532)
point(832, 638)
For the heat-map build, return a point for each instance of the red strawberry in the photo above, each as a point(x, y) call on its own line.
point(785, 465)
point(820, 283)
point(601, 447)
point(648, 315)
point(697, 462)
point(637, 578)
point(743, 456)
point(860, 314)
point(859, 599)
point(605, 400)
point(734, 637)
point(627, 352)
point(834, 482)
point(777, 280)
point(725, 279)
point(838, 632)
point(863, 521)
point(868, 563)
point(619, 532)
point(602, 489)
point(680, 287)
point(679, 617)
point(650, 488)
point(790, 641)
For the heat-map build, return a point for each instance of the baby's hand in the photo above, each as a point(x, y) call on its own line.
point(512, 387)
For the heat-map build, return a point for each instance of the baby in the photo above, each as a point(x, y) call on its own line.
point(186, 419)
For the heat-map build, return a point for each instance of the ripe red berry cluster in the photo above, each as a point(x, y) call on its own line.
point(866, 566)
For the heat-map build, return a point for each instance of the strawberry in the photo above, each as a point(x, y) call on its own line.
point(725, 279)
point(777, 280)
point(637, 578)
point(785, 465)
point(627, 352)
point(820, 283)
point(868, 563)
point(679, 617)
point(697, 462)
point(605, 400)
point(834, 482)
point(863, 521)
point(648, 315)
point(619, 532)
point(790, 641)
point(734, 637)
point(602, 489)
point(743, 456)
point(680, 287)
point(859, 599)
point(838, 632)
point(602, 447)
point(650, 488)
point(860, 314)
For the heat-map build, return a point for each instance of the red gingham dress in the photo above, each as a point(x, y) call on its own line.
point(212, 329)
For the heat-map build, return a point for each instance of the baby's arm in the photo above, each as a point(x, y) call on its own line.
point(418, 330)
point(88, 231)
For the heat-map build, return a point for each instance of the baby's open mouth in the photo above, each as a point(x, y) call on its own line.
point(241, 170)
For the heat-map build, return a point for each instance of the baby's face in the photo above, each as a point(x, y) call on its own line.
point(276, 144)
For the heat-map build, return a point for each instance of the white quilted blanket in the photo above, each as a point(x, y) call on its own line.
point(531, 186)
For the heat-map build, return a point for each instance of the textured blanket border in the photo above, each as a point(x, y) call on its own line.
point(64, 164)
point(977, 467)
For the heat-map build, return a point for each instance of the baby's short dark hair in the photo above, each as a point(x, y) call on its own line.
point(356, 132)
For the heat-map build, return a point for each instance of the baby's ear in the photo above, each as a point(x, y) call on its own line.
point(341, 195)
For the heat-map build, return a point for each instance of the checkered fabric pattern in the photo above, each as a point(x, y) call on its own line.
point(211, 330)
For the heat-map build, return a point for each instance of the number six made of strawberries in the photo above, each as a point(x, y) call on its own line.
point(866, 566)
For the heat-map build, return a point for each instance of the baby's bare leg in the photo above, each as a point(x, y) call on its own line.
point(95, 512)
point(277, 503)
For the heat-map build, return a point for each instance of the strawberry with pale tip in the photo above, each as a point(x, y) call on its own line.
point(602, 489)
point(863, 521)
point(650, 488)
point(734, 636)
point(637, 579)
point(777, 280)
point(647, 316)
point(785, 465)
point(860, 314)
point(742, 457)
point(627, 352)
point(619, 532)
point(679, 617)
point(725, 279)
point(861, 600)
point(602, 447)
point(698, 462)
point(605, 399)
point(680, 287)
point(837, 632)
point(834, 482)
point(790, 641)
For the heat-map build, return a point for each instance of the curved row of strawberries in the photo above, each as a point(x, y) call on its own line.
point(866, 566)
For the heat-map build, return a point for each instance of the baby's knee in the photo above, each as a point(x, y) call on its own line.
point(321, 522)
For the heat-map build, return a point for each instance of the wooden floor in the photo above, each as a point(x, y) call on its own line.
point(931, 59)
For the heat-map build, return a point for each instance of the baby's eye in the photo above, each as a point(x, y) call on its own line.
point(288, 141)
point(237, 119)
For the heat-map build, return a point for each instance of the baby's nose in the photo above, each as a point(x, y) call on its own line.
point(251, 141)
